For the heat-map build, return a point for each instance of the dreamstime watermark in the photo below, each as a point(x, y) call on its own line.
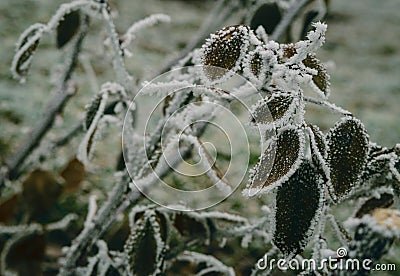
point(332, 263)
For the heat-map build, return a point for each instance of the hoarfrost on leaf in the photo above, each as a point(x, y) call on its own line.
point(348, 145)
point(299, 203)
point(285, 153)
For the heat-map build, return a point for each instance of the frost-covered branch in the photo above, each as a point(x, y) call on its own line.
point(103, 219)
point(123, 76)
point(55, 106)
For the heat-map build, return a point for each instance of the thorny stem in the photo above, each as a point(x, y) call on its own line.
point(54, 107)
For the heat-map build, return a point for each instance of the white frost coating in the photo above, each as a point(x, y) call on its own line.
point(279, 122)
point(266, 58)
point(61, 224)
point(149, 21)
point(66, 9)
point(252, 190)
point(221, 39)
point(224, 216)
point(28, 33)
point(262, 34)
point(114, 88)
point(92, 209)
point(165, 88)
point(27, 40)
point(212, 92)
point(213, 264)
point(333, 133)
point(336, 229)
point(40, 29)
point(138, 209)
point(392, 167)
point(387, 228)
point(330, 105)
point(38, 228)
point(137, 230)
point(83, 151)
point(315, 40)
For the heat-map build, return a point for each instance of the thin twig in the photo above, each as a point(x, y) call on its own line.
point(89, 235)
point(123, 76)
point(331, 106)
point(289, 17)
point(54, 107)
point(219, 13)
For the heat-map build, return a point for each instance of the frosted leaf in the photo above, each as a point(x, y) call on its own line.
point(279, 105)
point(314, 41)
point(191, 225)
point(212, 265)
point(285, 151)
point(67, 28)
point(346, 156)
point(91, 109)
point(320, 81)
point(224, 51)
point(258, 64)
point(288, 50)
point(142, 24)
point(299, 203)
point(145, 247)
point(267, 15)
point(374, 234)
point(25, 48)
point(94, 113)
point(385, 200)
point(394, 166)
point(379, 163)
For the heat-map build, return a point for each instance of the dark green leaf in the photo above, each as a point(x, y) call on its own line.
point(67, 28)
point(280, 160)
point(307, 23)
point(224, 51)
point(27, 254)
point(91, 110)
point(321, 79)
point(347, 156)
point(279, 106)
point(298, 206)
point(191, 226)
point(319, 140)
point(145, 247)
point(26, 47)
point(268, 15)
